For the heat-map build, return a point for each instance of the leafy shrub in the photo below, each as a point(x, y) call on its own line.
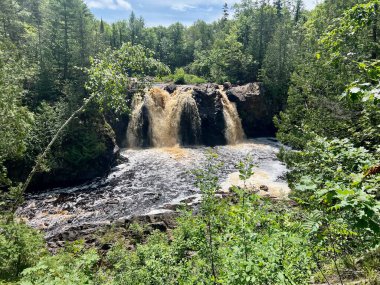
point(332, 175)
point(334, 181)
point(181, 77)
point(20, 247)
point(71, 267)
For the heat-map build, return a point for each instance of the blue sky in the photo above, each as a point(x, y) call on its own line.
point(163, 12)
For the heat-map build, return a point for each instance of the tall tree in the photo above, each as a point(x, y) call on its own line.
point(226, 12)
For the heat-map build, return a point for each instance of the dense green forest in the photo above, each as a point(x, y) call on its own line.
point(67, 78)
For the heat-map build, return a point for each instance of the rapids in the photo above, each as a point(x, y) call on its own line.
point(149, 180)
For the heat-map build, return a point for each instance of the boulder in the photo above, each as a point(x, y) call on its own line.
point(227, 85)
point(170, 88)
point(255, 109)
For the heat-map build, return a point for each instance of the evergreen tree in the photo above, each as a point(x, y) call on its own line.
point(101, 28)
point(225, 12)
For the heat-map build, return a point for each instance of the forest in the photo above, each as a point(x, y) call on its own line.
point(69, 87)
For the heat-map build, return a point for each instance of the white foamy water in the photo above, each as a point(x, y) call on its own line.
point(150, 181)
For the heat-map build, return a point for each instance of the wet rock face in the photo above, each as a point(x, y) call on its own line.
point(119, 124)
point(210, 107)
point(255, 109)
point(144, 130)
point(188, 127)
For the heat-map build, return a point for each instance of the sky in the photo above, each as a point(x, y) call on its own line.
point(163, 12)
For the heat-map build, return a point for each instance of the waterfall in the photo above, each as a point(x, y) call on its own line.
point(160, 119)
point(234, 130)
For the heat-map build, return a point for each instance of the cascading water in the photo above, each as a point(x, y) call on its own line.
point(154, 181)
point(160, 119)
point(234, 130)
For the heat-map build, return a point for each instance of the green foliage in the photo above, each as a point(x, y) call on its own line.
point(181, 77)
point(347, 44)
point(47, 121)
point(152, 263)
point(333, 180)
point(73, 266)
point(347, 41)
point(332, 175)
point(226, 61)
point(278, 63)
point(115, 73)
point(15, 119)
point(20, 248)
point(314, 99)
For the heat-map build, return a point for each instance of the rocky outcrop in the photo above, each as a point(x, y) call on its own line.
point(253, 105)
point(189, 125)
point(255, 109)
point(210, 108)
point(88, 150)
point(200, 114)
point(170, 88)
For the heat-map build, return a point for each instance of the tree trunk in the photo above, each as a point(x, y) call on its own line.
point(66, 43)
point(48, 148)
point(374, 31)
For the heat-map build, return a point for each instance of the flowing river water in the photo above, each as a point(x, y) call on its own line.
point(150, 181)
point(156, 173)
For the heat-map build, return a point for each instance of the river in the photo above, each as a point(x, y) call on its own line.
point(150, 181)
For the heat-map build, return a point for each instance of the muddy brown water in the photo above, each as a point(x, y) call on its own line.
point(150, 181)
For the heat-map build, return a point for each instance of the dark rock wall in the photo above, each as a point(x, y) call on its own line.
point(255, 109)
point(210, 110)
point(189, 127)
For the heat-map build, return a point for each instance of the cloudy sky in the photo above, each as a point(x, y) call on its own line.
point(163, 12)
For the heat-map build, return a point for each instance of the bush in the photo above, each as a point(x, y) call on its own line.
point(71, 267)
point(181, 77)
point(20, 247)
point(336, 182)
point(333, 176)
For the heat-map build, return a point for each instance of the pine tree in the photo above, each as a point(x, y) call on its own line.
point(278, 6)
point(101, 26)
point(298, 10)
point(225, 12)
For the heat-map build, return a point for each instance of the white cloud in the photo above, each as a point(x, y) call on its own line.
point(109, 4)
point(182, 7)
point(188, 4)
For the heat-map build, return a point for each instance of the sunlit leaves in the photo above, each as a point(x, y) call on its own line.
point(332, 175)
point(116, 75)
